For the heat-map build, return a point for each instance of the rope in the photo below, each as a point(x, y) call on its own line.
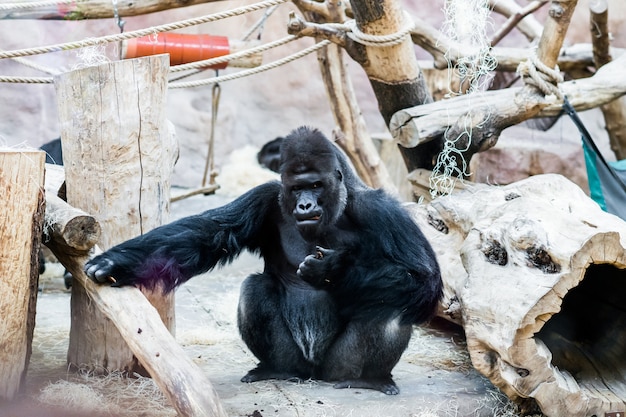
point(35, 4)
point(354, 33)
point(26, 80)
point(230, 57)
point(36, 66)
point(142, 32)
point(208, 81)
point(251, 71)
point(539, 75)
point(259, 24)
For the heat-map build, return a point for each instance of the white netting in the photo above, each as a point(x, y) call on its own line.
point(466, 25)
point(91, 56)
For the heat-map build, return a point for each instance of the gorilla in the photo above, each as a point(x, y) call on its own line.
point(269, 155)
point(347, 272)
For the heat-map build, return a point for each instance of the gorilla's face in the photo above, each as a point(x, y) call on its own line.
point(316, 200)
point(314, 193)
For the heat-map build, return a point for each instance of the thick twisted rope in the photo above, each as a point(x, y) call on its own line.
point(354, 33)
point(206, 63)
point(198, 83)
point(539, 75)
point(142, 32)
point(35, 4)
point(26, 80)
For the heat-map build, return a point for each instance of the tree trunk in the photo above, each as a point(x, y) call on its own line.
point(394, 74)
point(21, 221)
point(534, 272)
point(118, 159)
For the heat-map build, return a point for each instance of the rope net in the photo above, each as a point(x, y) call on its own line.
point(466, 23)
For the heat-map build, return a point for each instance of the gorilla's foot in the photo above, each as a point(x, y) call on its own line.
point(384, 385)
point(261, 373)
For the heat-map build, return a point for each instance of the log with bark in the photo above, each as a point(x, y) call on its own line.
point(534, 272)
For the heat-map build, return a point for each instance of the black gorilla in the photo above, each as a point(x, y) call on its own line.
point(269, 155)
point(347, 272)
point(54, 151)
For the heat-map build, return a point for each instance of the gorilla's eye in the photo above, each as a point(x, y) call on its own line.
point(317, 184)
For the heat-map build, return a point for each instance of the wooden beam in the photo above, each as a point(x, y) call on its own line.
point(118, 159)
point(96, 9)
point(426, 122)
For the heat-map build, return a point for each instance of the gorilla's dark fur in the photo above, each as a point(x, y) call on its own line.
point(347, 272)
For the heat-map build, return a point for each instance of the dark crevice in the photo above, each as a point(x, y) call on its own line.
point(587, 337)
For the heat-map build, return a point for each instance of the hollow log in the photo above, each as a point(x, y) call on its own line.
point(118, 156)
point(534, 272)
point(21, 220)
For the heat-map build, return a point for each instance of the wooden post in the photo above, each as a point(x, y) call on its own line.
point(118, 154)
point(21, 220)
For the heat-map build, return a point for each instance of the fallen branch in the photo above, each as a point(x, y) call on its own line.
point(494, 111)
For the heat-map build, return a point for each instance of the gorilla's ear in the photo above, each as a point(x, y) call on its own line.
point(339, 175)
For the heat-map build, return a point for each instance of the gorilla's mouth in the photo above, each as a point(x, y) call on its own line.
point(308, 221)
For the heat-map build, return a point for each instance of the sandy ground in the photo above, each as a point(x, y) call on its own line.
point(434, 375)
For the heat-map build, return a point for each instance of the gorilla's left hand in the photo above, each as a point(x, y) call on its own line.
point(317, 269)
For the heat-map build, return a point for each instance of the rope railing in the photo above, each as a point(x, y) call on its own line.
point(251, 71)
point(226, 58)
point(207, 81)
point(141, 32)
point(35, 4)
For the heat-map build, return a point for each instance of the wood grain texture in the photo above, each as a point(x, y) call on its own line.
point(119, 154)
point(535, 273)
point(21, 219)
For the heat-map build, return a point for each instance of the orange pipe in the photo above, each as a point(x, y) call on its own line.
point(181, 47)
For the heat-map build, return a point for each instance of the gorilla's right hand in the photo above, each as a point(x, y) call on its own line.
point(110, 268)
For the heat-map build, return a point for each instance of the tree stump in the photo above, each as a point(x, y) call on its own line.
point(21, 220)
point(534, 272)
point(118, 154)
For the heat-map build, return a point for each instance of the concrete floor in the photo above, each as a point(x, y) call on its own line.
point(435, 376)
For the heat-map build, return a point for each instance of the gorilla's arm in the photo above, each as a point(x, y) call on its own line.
point(397, 265)
point(171, 254)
